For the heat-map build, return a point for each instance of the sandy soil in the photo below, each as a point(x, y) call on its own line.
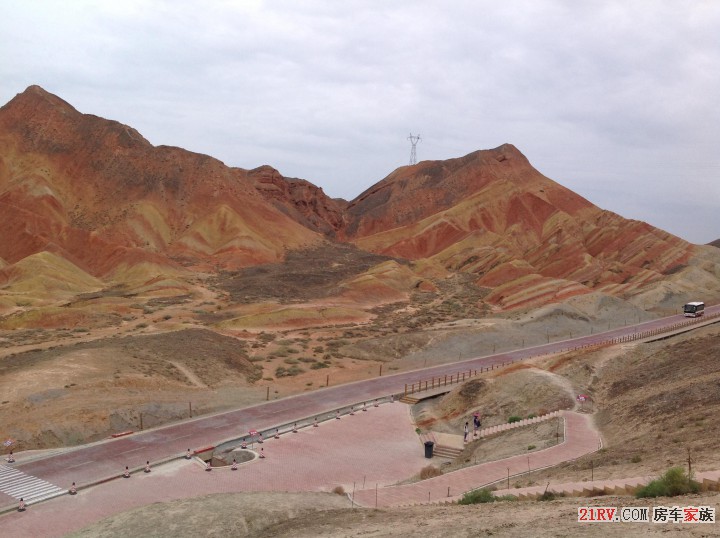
point(312, 515)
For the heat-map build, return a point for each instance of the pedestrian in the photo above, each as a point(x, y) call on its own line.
point(234, 465)
point(147, 467)
point(21, 506)
point(188, 455)
point(11, 458)
point(73, 489)
point(126, 474)
point(467, 429)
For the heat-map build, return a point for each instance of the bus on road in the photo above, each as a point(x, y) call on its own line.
point(694, 309)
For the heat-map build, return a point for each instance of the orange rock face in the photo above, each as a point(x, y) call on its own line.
point(530, 239)
point(98, 193)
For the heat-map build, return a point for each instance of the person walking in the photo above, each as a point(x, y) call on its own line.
point(467, 429)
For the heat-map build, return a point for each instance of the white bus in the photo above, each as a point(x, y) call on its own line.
point(694, 309)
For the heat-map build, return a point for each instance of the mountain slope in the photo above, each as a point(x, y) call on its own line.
point(533, 241)
point(97, 194)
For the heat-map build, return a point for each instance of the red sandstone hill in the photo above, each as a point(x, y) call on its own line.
point(492, 214)
point(90, 197)
point(97, 193)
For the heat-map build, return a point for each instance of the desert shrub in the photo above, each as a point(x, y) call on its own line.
point(674, 482)
point(549, 496)
point(636, 458)
point(318, 365)
point(514, 418)
point(288, 372)
point(255, 374)
point(531, 447)
point(339, 490)
point(429, 471)
point(532, 415)
point(266, 337)
point(290, 361)
point(478, 496)
point(307, 359)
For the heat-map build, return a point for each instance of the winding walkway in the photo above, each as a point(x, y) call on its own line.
point(581, 438)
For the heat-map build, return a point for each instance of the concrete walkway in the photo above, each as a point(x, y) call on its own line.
point(581, 438)
point(378, 446)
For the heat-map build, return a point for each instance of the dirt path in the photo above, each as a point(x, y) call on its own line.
point(192, 377)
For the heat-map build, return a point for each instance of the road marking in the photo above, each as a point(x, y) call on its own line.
point(17, 484)
point(79, 464)
point(133, 450)
point(181, 437)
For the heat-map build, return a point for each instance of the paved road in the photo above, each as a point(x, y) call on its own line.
point(108, 459)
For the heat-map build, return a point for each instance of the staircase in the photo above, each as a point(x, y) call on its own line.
point(492, 430)
point(440, 450)
point(444, 450)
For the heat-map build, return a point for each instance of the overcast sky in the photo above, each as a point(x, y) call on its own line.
point(617, 101)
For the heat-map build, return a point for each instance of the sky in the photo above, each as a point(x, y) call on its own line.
point(615, 100)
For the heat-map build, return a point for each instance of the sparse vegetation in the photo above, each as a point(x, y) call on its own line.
point(674, 482)
point(281, 371)
point(483, 495)
point(429, 471)
point(549, 496)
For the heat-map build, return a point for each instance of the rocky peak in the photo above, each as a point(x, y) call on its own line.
point(299, 199)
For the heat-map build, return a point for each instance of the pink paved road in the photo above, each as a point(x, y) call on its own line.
point(581, 438)
point(94, 463)
point(378, 446)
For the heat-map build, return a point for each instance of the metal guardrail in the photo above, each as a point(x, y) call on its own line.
point(460, 377)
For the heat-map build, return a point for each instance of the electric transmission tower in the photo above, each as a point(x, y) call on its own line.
point(413, 142)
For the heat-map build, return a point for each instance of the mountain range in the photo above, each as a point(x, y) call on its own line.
point(88, 205)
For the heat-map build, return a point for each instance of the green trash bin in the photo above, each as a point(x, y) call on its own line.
point(429, 449)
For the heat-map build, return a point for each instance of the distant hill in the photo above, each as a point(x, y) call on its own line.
point(92, 196)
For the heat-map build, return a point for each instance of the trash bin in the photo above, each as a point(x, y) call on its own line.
point(429, 449)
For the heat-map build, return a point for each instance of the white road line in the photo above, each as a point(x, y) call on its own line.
point(79, 464)
point(133, 449)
